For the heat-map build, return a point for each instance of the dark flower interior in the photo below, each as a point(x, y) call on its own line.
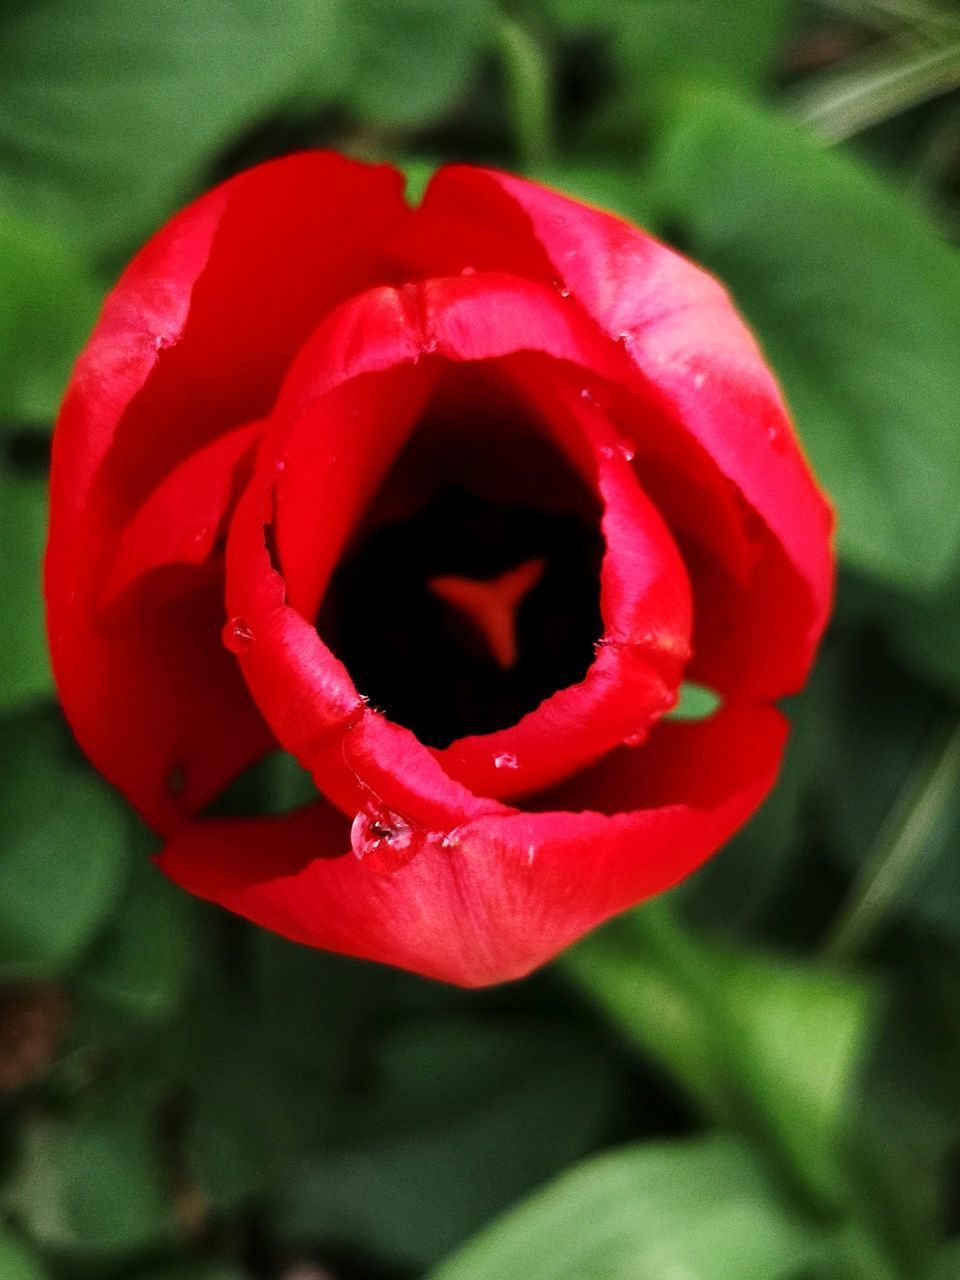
point(471, 591)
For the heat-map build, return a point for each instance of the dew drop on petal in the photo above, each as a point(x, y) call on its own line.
point(443, 839)
point(382, 838)
point(531, 854)
point(506, 760)
point(776, 436)
point(595, 396)
point(560, 287)
point(626, 451)
point(636, 739)
point(468, 271)
point(236, 635)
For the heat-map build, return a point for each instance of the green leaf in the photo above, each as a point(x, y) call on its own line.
point(63, 836)
point(908, 1107)
point(239, 1135)
point(696, 702)
point(736, 889)
point(702, 1210)
point(418, 172)
point(243, 1112)
point(108, 110)
point(668, 40)
point(47, 304)
point(92, 1182)
point(925, 632)
point(604, 186)
point(857, 301)
point(408, 59)
point(893, 825)
point(24, 668)
point(195, 1271)
point(15, 1262)
point(946, 1265)
point(140, 964)
point(762, 1046)
point(922, 629)
point(464, 1118)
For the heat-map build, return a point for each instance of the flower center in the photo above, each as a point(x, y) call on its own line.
point(465, 615)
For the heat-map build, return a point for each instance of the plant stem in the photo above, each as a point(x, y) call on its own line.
point(530, 89)
point(898, 848)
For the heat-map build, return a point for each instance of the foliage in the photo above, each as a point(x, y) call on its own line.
point(755, 1077)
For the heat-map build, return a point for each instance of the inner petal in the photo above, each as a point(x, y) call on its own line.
point(471, 590)
point(512, 596)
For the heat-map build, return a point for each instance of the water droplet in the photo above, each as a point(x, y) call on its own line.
point(625, 339)
point(163, 340)
point(468, 271)
point(595, 396)
point(200, 534)
point(382, 838)
point(236, 635)
point(443, 839)
point(280, 464)
point(776, 436)
point(531, 854)
point(636, 739)
point(506, 760)
point(619, 450)
point(560, 287)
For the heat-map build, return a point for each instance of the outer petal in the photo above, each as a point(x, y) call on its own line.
point(698, 370)
point(191, 343)
point(502, 894)
point(181, 521)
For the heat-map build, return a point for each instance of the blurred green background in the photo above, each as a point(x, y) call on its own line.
point(756, 1078)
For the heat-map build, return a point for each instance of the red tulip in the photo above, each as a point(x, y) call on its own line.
point(446, 502)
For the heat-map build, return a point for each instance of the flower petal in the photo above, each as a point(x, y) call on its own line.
point(645, 607)
point(697, 370)
point(181, 520)
point(189, 346)
point(502, 894)
point(353, 392)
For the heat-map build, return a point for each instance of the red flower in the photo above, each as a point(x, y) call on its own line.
point(503, 464)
